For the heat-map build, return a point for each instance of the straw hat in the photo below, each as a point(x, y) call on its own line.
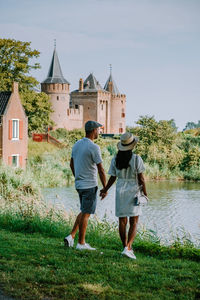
point(127, 142)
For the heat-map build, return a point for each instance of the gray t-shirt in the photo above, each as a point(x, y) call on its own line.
point(86, 155)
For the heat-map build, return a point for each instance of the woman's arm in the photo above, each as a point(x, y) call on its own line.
point(141, 181)
point(110, 183)
point(103, 192)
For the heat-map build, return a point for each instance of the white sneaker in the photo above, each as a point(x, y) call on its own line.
point(69, 241)
point(128, 253)
point(84, 247)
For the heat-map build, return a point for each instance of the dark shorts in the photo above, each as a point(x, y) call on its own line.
point(88, 199)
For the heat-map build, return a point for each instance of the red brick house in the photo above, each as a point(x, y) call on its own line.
point(13, 129)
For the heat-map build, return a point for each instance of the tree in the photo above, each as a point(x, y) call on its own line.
point(159, 141)
point(15, 65)
point(38, 109)
point(192, 125)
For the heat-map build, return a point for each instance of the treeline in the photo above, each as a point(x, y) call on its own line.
point(166, 152)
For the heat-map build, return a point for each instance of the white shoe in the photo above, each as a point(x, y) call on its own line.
point(84, 247)
point(128, 253)
point(69, 241)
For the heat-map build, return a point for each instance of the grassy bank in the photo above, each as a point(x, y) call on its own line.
point(35, 265)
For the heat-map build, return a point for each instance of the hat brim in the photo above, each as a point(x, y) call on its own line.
point(128, 147)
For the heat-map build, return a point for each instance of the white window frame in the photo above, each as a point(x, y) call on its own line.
point(16, 130)
point(17, 165)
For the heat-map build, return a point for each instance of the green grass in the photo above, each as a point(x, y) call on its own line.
point(39, 148)
point(34, 264)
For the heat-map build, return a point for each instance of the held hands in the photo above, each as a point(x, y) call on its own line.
point(103, 194)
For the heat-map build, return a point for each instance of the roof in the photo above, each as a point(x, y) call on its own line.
point(114, 86)
point(4, 98)
point(91, 84)
point(55, 73)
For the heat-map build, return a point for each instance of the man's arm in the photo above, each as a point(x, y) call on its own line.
point(141, 182)
point(102, 174)
point(72, 166)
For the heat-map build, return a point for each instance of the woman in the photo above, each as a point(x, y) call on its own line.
point(128, 168)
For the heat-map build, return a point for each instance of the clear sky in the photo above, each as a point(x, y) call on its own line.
point(153, 46)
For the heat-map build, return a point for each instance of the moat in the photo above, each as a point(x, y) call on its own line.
point(173, 209)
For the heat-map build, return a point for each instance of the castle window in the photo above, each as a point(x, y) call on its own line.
point(122, 102)
point(76, 106)
point(54, 86)
point(102, 107)
point(123, 113)
point(57, 97)
point(120, 128)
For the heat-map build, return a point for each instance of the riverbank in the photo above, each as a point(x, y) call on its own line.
point(34, 264)
point(49, 165)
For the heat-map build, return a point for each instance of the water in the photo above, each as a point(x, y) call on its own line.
point(173, 209)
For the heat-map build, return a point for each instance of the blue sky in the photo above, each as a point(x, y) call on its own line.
point(153, 46)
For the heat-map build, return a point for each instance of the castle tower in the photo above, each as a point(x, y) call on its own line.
point(118, 106)
point(57, 87)
point(95, 101)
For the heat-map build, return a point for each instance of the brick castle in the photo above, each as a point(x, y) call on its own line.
point(89, 102)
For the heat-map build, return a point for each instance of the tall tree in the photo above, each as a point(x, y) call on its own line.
point(16, 62)
point(38, 109)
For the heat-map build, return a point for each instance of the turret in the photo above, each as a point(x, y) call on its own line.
point(57, 87)
point(118, 106)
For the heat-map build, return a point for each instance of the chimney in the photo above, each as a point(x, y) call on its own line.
point(15, 87)
point(81, 84)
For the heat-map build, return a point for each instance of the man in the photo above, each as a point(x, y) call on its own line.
point(85, 161)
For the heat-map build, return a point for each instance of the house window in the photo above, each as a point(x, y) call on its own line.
point(15, 160)
point(15, 129)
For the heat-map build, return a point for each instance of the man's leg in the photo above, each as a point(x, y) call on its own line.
point(76, 225)
point(83, 222)
point(132, 231)
point(122, 230)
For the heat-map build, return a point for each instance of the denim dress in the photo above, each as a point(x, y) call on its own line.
point(127, 186)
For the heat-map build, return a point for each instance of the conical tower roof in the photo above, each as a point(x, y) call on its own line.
point(91, 83)
point(114, 86)
point(55, 73)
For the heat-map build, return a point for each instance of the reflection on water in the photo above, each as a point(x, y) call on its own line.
point(174, 207)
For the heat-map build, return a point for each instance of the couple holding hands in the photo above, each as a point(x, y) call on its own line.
point(126, 167)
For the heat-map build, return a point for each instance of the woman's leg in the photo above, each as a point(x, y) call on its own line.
point(122, 230)
point(132, 231)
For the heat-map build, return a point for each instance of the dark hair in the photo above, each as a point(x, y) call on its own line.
point(88, 132)
point(123, 158)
